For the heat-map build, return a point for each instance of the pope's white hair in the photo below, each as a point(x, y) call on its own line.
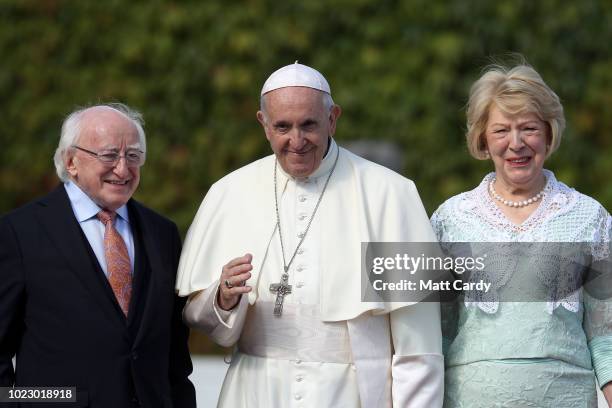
point(71, 129)
point(328, 103)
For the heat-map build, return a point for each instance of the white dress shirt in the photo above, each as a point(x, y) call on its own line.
point(86, 211)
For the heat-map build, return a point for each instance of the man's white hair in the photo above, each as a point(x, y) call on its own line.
point(71, 129)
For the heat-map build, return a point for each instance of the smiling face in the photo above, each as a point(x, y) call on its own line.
point(104, 130)
point(517, 145)
point(298, 126)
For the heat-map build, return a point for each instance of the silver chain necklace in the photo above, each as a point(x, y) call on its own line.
point(283, 288)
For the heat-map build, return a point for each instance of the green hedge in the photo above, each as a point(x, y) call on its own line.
point(401, 70)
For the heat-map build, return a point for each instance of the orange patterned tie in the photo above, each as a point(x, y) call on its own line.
point(118, 263)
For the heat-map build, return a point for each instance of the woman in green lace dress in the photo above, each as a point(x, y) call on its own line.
point(545, 353)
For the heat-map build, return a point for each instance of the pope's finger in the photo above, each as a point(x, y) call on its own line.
point(245, 259)
point(236, 280)
point(234, 291)
point(238, 270)
point(242, 278)
point(238, 290)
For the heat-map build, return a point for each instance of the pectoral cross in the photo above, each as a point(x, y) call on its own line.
point(281, 289)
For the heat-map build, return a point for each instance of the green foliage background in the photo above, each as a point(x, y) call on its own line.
point(401, 70)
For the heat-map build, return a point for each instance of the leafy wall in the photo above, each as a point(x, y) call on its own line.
point(401, 70)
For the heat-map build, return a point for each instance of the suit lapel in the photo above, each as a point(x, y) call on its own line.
point(57, 218)
point(148, 252)
point(142, 274)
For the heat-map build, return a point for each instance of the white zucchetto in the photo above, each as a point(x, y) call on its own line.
point(296, 75)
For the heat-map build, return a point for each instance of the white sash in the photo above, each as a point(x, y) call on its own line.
point(298, 335)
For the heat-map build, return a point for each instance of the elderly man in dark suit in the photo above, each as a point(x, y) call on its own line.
point(87, 277)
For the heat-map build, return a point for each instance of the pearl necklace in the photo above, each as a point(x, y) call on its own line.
point(516, 204)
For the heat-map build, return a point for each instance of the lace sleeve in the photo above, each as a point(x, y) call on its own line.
point(449, 319)
point(598, 328)
point(448, 309)
point(600, 246)
point(598, 305)
point(437, 223)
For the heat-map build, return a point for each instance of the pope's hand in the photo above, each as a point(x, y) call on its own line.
point(232, 282)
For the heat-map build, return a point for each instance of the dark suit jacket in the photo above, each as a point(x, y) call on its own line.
point(60, 318)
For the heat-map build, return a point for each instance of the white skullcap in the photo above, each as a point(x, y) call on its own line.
point(296, 75)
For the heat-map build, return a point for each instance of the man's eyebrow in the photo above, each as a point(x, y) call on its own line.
point(109, 147)
point(309, 121)
point(281, 123)
point(114, 148)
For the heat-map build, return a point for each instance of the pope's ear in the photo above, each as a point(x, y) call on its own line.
point(261, 118)
point(334, 114)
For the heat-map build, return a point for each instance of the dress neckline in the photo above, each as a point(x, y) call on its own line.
point(535, 213)
point(549, 204)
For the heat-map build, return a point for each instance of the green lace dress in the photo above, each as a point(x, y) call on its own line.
point(526, 354)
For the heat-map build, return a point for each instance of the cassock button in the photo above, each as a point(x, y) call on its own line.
point(300, 251)
point(298, 361)
point(297, 397)
point(302, 198)
point(300, 235)
point(299, 284)
point(299, 378)
point(300, 268)
point(302, 217)
point(134, 356)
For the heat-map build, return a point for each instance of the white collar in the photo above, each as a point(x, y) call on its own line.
point(84, 207)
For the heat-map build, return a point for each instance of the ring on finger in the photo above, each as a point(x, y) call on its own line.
point(228, 284)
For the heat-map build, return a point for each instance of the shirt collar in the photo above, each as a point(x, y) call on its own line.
point(324, 168)
point(84, 207)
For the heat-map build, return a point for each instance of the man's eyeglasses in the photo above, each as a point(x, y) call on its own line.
point(133, 157)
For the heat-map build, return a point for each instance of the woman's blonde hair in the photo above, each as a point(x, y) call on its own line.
point(517, 90)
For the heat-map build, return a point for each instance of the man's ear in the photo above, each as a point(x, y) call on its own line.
point(261, 118)
point(69, 162)
point(334, 114)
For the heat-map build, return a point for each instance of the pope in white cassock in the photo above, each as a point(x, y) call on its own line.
point(272, 264)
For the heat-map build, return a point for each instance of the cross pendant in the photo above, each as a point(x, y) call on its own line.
point(281, 289)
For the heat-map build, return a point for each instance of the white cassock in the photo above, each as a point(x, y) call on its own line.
point(328, 349)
